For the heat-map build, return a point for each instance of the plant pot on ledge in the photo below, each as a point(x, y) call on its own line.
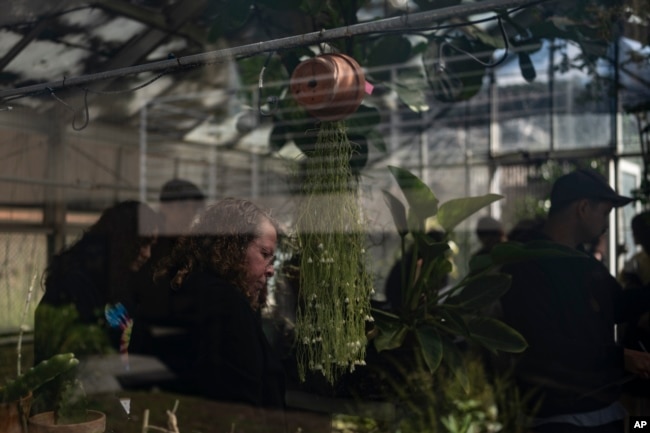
point(13, 415)
point(45, 423)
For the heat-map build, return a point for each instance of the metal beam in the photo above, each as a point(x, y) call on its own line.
point(405, 22)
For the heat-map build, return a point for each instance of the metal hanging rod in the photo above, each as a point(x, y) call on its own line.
point(404, 22)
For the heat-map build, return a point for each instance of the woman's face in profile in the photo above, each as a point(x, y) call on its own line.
point(144, 254)
point(260, 256)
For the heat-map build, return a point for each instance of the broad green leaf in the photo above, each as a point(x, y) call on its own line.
point(390, 49)
point(422, 201)
point(398, 211)
point(363, 120)
point(428, 248)
point(455, 361)
point(526, 66)
point(482, 291)
point(495, 335)
point(430, 345)
point(415, 222)
point(409, 86)
point(450, 321)
point(480, 263)
point(377, 140)
point(278, 137)
point(413, 97)
point(455, 211)
point(392, 330)
point(494, 41)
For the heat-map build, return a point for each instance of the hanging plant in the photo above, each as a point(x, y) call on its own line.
point(335, 287)
point(329, 86)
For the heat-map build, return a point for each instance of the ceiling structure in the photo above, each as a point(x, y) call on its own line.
point(43, 42)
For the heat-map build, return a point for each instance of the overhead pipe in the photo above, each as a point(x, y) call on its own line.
point(404, 22)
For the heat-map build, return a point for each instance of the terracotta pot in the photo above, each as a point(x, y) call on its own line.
point(329, 86)
point(13, 416)
point(44, 423)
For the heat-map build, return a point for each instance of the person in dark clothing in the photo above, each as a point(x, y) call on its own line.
point(225, 263)
point(489, 232)
point(180, 202)
point(95, 275)
point(566, 303)
point(167, 313)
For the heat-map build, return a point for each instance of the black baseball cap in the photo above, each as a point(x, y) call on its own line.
point(585, 183)
point(180, 189)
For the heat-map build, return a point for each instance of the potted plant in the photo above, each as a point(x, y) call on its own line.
point(16, 395)
point(61, 406)
point(428, 353)
point(70, 414)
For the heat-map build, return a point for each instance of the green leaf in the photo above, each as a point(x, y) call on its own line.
point(495, 335)
point(455, 361)
point(278, 137)
point(415, 222)
point(412, 97)
point(450, 321)
point(482, 291)
point(480, 262)
point(363, 120)
point(388, 50)
point(526, 66)
point(422, 201)
point(377, 140)
point(392, 330)
point(455, 211)
point(398, 211)
point(486, 38)
point(430, 345)
point(428, 248)
point(231, 16)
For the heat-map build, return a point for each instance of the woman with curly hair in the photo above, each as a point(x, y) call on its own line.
point(94, 275)
point(225, 263)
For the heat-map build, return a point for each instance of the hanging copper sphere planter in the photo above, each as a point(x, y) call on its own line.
point(329, 86)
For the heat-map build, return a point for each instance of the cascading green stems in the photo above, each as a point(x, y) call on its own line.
point(335, 287)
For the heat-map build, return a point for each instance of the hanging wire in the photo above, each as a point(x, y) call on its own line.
point(271, 100)
point(504, 35)
point(74, 112)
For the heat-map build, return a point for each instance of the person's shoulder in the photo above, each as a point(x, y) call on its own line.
point(209, 286)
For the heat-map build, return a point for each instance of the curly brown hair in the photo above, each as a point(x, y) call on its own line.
point(217, 242)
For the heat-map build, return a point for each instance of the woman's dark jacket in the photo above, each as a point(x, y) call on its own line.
point(233, 359)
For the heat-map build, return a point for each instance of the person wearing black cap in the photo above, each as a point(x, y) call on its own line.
point(180, 202)
point(566, 304)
